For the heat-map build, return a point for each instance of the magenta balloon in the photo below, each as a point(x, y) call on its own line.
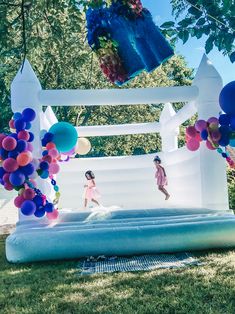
point(191, 131)
point(18, 201)
point(10, 165)
point(29, 194)
point(209, 145)
point(193, 144)
point(200, 125)
point(9, 143)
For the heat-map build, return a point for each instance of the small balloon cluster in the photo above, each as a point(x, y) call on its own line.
point(19, 169)
point(219, 133)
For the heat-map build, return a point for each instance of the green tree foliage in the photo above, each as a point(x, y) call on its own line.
point(57, 49)
point(213, 18)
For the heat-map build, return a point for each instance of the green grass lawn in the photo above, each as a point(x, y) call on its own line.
point(55, 287)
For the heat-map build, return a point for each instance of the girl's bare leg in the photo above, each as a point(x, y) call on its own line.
point(85, 203)
point(164, 191)
point(94, 201)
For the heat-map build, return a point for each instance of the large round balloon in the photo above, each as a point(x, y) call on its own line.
point(65, 136)
point(83, 146)
point(227, 98)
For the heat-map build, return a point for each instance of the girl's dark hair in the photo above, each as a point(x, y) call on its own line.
point(157, 158)
point(90, 174)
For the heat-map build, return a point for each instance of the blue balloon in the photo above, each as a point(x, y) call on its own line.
point(38, 201)
point(44, 165)
point(49, 207)
point(44, 174)
point(28, 169)
point(204, 135)
point(28, 125)
point(20, 124)
point(14, 135)
point(65, 136)
point(17, 115)
point(224, 130)
point(224, 141)
point(17, 178)
point(233, 123)
point(3, 153)
point(224, 155)
point(28, 208)
point(21, 145)
point(31, 137)
point(13, 154)
point(40, 212)
point(28, 114)
point(227, 98)
point(45, 152)
point(2, 172)
point(48, 137)
point(224, 119)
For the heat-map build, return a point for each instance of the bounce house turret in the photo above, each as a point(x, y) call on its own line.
point(24, 93)
point(169, 138)
point(213, 179)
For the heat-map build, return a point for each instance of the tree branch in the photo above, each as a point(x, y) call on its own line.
point(23, 34)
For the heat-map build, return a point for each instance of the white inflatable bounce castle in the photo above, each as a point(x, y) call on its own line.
point(135, 218)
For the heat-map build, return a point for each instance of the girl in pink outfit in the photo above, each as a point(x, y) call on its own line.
point(91, 192)
point(161, 177)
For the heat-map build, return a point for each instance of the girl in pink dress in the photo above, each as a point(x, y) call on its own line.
point(91, 192)
point(161, 177)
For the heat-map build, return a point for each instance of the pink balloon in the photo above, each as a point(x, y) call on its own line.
point(53, 153)
point(9, 143)
point(23, 135)
point(200, 125)
point(53, 215)
point(10, 165)
point(191, 131)
point(18, 201)
point(193, 144)
point(54, 168)
point(29, 194)
point(24, 158)
point(209, 145)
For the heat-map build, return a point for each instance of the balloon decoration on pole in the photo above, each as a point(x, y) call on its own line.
point(19, 168)
point(218, 133)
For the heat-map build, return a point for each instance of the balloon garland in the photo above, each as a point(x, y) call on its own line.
point(218, 133)
point(125, 39)
point(19, 168)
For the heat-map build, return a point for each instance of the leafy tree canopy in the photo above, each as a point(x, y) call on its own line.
point(213, 18)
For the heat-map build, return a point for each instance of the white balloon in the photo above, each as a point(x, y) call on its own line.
point(83, 146)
